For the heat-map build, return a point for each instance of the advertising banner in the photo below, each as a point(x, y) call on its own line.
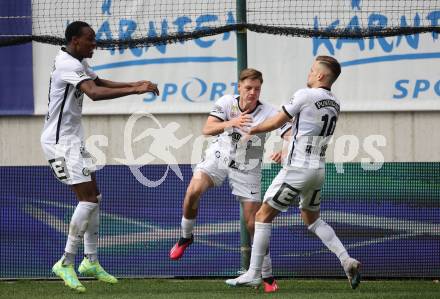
point(396, 73)
point(16, 88)
point(388, 219)
point(379, 74)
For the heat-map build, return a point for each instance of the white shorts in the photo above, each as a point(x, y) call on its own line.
point(245, 185)
point(70, 162)
point(296, 186)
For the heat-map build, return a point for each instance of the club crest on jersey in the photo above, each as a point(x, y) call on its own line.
point(234, 111)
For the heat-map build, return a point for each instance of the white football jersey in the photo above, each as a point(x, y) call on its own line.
point(65, 98)
point(315, 112)
point(243, 155)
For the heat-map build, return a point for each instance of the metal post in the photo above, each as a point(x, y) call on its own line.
point(241, 37)
point(245, 243)
point(245, 240)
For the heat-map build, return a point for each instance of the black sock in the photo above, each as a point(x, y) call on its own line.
point(269, 280)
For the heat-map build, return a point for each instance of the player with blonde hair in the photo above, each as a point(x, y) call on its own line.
point(314, 112)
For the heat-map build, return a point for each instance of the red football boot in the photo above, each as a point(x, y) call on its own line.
point(179, 248)
point(270, 285)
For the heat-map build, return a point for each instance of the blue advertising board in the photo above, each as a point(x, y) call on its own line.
point(16, 84)
point(388, 219)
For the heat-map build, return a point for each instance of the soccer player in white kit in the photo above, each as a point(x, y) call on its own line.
point(314, 112)
point(62, 143)
point(230, 156)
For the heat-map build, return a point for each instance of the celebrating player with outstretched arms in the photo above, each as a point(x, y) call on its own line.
point(62, 141)
point(314, 112)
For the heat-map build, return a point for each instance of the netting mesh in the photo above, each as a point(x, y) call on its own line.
point(131, 23)
point(352, 19)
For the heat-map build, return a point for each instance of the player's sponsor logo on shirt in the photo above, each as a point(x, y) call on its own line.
point(232, 164)
point(81, 74)
point(327, 103)
point(257, 111)
point(78, 94)
point(217, 109)
point(235, 136)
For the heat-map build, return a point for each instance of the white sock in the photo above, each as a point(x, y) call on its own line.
point(68, 259)
point(259, 248)
point(327, 235)
point(91, 234)
point(266, 269)
point(187, 227)
point(78, 225)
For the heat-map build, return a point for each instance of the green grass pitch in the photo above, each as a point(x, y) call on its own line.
point(211, 289)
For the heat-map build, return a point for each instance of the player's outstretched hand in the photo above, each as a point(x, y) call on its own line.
point(146, 86)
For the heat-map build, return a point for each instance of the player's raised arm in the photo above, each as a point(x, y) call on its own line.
point(215, 126)
point(97, 92)
point(113, 84)
point(270, 124)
